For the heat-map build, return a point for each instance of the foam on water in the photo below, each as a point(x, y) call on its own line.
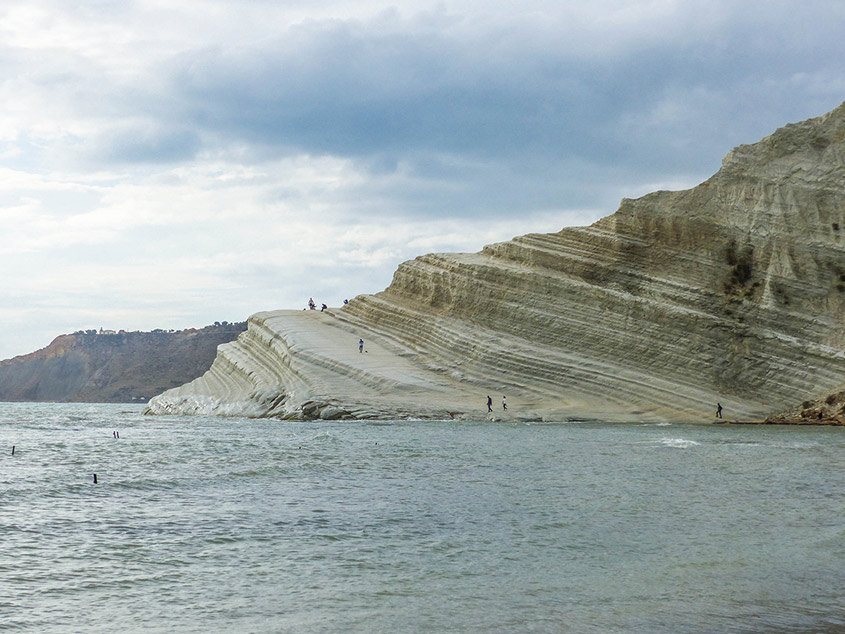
point(680, 443)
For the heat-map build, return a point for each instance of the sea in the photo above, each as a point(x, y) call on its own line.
point(202, 524)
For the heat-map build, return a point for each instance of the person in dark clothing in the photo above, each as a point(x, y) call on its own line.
point(718, 410)
point(504, 402)
point(489, 404)
point(360, 345)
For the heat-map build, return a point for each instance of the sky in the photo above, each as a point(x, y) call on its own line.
point(171, 164)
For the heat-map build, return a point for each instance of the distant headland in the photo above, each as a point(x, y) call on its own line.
point(109, 366)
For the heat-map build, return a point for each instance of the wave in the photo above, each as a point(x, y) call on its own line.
point(680, 443)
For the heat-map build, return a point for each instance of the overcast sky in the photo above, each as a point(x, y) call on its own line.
point(170, 164)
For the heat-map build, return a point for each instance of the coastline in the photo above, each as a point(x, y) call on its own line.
point(827, 422)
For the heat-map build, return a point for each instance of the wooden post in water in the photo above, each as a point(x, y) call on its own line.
point(13, 450)
point(95, 478)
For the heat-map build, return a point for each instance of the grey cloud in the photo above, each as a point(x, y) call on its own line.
point(555, 122)
point(332, 88)
point(147, 144)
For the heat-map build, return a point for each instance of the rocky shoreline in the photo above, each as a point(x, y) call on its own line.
point(827, 422)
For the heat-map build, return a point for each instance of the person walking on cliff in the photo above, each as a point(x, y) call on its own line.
point(360, 345)
point(504, 402)
point(489, 403)
point(718, 410)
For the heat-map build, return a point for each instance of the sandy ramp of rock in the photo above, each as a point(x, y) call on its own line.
point(336, 369)
point(295, 363)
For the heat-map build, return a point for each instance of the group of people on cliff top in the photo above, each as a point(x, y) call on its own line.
point(313, 306)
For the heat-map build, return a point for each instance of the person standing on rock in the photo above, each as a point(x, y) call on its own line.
point(489, 403)
point(718, 410)
point(360, 345)
point(504, 402)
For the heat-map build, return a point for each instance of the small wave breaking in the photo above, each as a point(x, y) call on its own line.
point(679, 443)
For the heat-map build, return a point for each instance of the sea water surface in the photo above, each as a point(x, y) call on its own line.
point(236, 525)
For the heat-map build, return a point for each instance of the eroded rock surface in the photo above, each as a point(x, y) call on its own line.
point(730, 292)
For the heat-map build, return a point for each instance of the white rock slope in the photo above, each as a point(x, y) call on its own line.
point(733, 291)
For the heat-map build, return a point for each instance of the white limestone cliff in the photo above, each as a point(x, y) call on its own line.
point(733, 291)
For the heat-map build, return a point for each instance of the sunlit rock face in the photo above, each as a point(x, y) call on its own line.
point(730, 292)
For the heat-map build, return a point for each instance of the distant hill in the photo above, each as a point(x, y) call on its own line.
point(113, 367)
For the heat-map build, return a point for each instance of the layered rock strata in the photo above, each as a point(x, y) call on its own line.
point(730, 292)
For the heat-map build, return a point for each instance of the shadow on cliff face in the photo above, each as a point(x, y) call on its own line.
point(742, 266)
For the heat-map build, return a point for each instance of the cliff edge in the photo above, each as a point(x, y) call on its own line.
point(731, 292)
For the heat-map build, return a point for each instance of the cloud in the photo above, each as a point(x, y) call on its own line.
point(145, 143)
point(557, 82)
point(631, 92)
